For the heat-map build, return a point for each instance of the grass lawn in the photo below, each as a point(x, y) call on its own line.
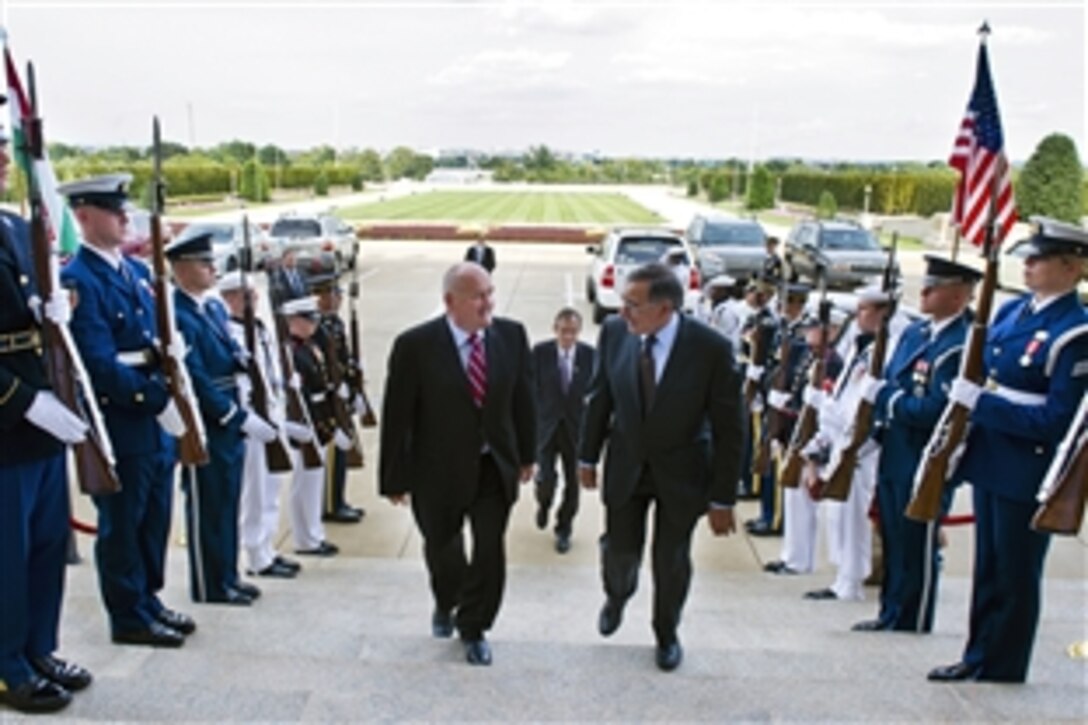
point(504, 206)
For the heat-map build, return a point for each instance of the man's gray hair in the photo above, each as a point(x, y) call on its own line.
point(663, 284)
point(456, 273)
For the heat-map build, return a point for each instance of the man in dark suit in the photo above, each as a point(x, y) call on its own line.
point(561, 370)
point(286, 281)
point(665, 396)
point(481, 253)
point(459, 433)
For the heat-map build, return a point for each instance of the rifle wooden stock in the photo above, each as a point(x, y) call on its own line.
point(191, 447)
point(296, 408)
point(776, 420)
point(64, 368)
point(1065, 486)
point(805, 428)
point(353, 457)
point(757, 358)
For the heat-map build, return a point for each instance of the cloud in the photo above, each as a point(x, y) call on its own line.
point(499, 68)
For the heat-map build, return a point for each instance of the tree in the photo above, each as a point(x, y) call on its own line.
point(1050, 183)
point(370, 165)
point(719, 188)
point(760, 189)
point(827, 207)
point(272, 155)
point(321, 184)
point(402, 162)
point(236, 150)
point(254, 183)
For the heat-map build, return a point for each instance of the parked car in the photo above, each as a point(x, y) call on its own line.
point(726, 245)
point(620, 252)
point(312, 235)
point(850, 254)
point(228, 242)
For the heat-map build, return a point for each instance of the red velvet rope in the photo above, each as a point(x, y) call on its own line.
point(83, 528)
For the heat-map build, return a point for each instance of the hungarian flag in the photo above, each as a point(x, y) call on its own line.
point(979, 155)
point(59, 223)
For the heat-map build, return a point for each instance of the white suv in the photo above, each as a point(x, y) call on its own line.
point(620, 252)
point(312, 235)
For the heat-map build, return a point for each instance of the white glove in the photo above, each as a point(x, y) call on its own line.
point(245, 387)
point(258, 428)
point(343, 392)
point(358, 405)
point(295, 381)
point(870, 388)
point(171, 421)
point(965, 393)
point(778, 399)
point(814, 397)
point(177, 348)
point(342, 440)
point(757, 404)
point(754, 373)
point(54, 417)
point(298, 432)
point(59, 308)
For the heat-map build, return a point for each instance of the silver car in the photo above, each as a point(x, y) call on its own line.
point(228, 241)
point(726, 245)
point(847, 253)
point(311, 236)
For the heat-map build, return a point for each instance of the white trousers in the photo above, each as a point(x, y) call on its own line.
point(259, 508)
point(849, 528)
point(799, 529)
point(307, 496)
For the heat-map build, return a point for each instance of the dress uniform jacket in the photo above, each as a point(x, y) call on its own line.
point(309, 362)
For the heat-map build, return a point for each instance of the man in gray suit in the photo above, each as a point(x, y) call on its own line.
point(665, 396)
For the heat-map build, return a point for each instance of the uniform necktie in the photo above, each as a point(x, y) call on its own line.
point(564, 370)
point(477, 369)
point(647, 376)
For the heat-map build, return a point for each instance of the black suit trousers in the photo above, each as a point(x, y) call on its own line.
point(471, 585)
point(561, 444)
point(621, 554)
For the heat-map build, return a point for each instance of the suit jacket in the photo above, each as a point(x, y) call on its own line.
point(433, 433)
point(691, 437)
point(280, 288)
point(1038, 364)
point(553, 405)
point(488, 260)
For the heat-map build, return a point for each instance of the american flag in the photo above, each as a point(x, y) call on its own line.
point(979, 156)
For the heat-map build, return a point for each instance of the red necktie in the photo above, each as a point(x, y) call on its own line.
point(477, 370)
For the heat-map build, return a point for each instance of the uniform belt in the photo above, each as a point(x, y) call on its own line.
point(1019, 397)
point(226, 383)
point(11, 342)
point(317, 398)
point(136, 358)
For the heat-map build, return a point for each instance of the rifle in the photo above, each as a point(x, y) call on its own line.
point(757, 359)
point(368, 418)
point(296, 409)
point(776, 419)
point(353, 457)
point(941, 454)
point(276, 455)
point(63, 365)
point(192, 450)
point(790, 476)
point(1065, 488)
point(844, 461)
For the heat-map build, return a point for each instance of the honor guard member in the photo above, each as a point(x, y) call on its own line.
point(786, 405)
point(907, 403)
point(307, 486)
point(115, 328)
point(332, 336)
point(260, 501)
point(213, 360)
point(1037, 365)
point(773, 268)
point(757, 332)
point(34, 507)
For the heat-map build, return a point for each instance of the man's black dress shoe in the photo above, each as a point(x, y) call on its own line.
point(821, 594)
point(562, 543)
point(668, 656)
point(275, 569)
point(953, 673)
point(157, 634)
point(68, 675)
point(541, 517)
point(778, 567)
point(343, 515)
point(248, 589)
point(872, 625)
point(233, 597)
point(287, 563)
point(176, 620)
point(442, 624)
point(38, 694)
point(610, 618)
point(322, 549)
point(477, 652)
point(762, 528)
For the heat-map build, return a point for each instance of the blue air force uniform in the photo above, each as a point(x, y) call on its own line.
point(34, 507)
point(114, 327)
point(1037, 363)
point(211, 506)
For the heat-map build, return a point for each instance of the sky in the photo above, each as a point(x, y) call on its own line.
point(874, 80)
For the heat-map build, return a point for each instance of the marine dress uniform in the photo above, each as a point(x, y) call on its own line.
point(1037, 362)
point(905, 412)
point(115, 328)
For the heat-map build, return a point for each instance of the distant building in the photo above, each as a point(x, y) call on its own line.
point(459, 177)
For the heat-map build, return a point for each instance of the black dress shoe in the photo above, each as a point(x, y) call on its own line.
point(287, 563)
point(669, 655)
point(562, 543)
point(157, 634)
point(233, 597)
point(38, 694)
point(477, 652)
point(778, 567)
point(541, 517)
point(343, 515)
point(442, 624)
point(248, 589)
point(953, 673)
point(872, 625)
point(176, 620)
point(762, 528)
point(322, 549)
point(359, 510)
point(610, 618)
point(275, 569)
point(821, 594)
point(68, 675)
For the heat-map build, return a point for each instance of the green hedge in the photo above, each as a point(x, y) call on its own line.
point(922, 193)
